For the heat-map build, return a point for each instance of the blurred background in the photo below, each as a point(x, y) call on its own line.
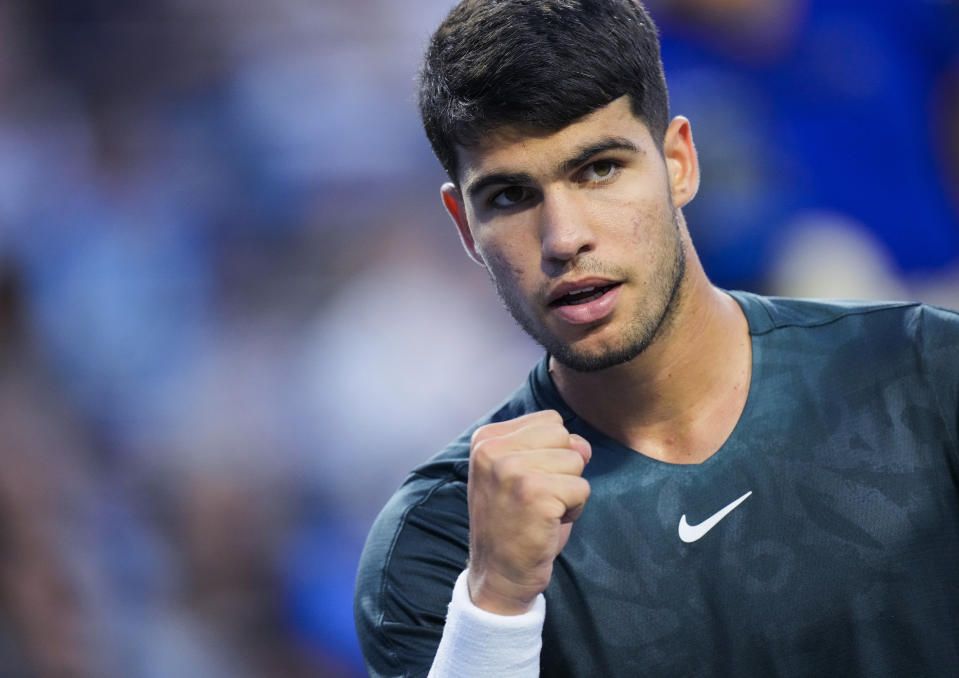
point(233, 313)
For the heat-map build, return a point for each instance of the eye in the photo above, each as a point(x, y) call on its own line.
point(510, 196)
point(599, 170)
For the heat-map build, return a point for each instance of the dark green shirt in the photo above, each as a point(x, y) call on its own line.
point(843, 560)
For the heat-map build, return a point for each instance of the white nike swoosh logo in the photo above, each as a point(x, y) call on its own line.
point(690, 533)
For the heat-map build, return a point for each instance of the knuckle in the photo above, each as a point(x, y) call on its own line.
point(552, 416)
point(483, 454)
point(576, 461)
point(508, 469)
point(557, 432)
point(584, 488)
point(527, 489)
point(480, 434)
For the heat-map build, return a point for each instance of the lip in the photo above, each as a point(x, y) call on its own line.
point(590, 312)
point(565, 288)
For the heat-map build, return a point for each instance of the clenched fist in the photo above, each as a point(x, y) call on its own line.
point(525, 490)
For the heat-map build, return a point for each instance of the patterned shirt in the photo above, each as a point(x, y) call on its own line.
point(822, 538)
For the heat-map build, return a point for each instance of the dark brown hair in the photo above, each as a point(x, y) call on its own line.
point(540, 64)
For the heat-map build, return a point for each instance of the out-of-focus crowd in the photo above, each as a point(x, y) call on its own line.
point(233, 314)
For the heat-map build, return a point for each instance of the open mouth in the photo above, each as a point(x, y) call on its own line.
point(583, 296)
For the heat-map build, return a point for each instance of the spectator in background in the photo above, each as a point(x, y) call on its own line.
point(811, 107)
point(47, 628)
point(947, 126)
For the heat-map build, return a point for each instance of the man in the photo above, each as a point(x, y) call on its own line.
point(691, 482)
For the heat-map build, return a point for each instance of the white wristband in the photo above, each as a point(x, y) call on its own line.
point(480, 644)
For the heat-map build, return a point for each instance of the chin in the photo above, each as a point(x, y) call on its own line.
point(594, 361)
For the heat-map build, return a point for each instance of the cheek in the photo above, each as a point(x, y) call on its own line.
point(503, 267)
point(650, 210)
point(645, 225)
point(504, 258)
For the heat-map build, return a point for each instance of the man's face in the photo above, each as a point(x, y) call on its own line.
point(580, 230)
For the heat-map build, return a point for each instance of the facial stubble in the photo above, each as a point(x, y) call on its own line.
point(640, 331)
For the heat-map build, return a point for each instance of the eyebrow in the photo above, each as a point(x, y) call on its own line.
point(601, 146)
point(584, 154)
point(497, 179)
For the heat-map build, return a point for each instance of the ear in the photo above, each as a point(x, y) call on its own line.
point(681, 161)
point(453, 202)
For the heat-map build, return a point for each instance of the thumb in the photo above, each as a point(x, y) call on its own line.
point(581, 445)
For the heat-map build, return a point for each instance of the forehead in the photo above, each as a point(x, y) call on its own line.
point(515, 149)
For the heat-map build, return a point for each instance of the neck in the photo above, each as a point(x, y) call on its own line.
point(678, 400)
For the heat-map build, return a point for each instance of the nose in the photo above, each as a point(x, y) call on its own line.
point(565, 231)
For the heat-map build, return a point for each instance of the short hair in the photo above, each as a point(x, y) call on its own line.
point(537, 64)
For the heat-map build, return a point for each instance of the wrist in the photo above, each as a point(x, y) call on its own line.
point(498, 595)
point(482, 644)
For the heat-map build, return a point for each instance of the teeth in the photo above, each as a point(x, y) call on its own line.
point(580, 295)
point(576, 293)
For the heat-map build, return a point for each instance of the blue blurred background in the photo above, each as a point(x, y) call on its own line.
point(233, 312)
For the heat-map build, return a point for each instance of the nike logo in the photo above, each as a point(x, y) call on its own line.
point(690, 533)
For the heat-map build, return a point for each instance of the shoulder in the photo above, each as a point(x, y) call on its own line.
point(768, 313)
point(874, 321)
point(416, 548)
point(902, 352)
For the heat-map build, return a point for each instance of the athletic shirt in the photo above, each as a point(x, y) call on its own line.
point(841, 557)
